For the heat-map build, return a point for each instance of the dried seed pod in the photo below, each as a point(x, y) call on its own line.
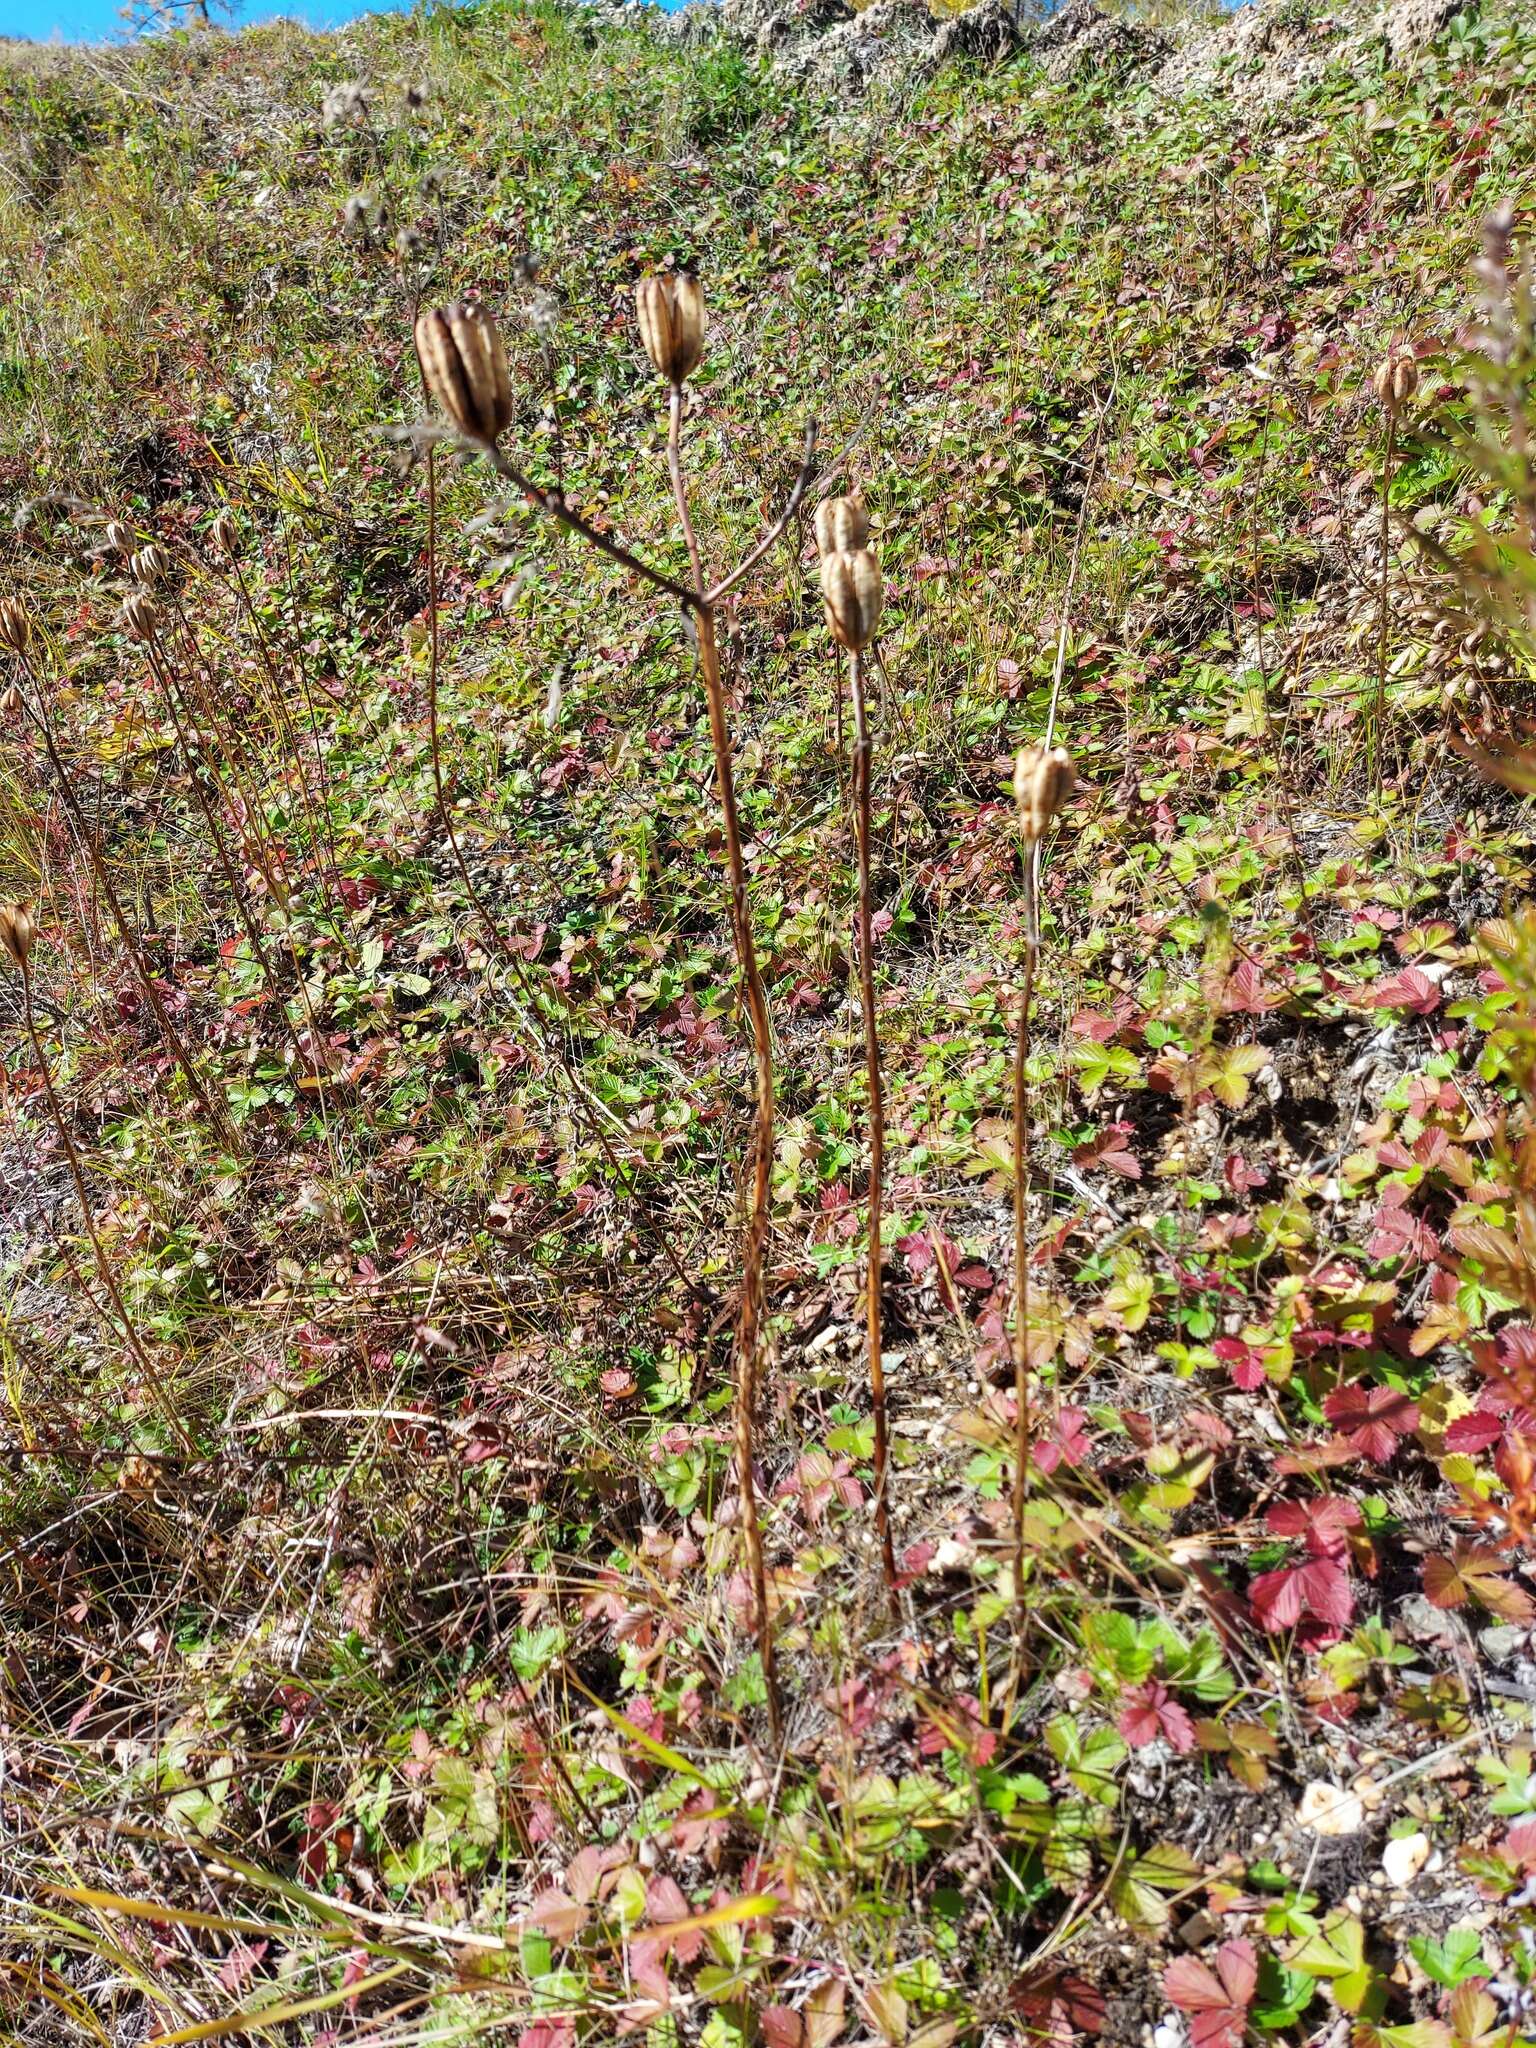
point(18, 928)
point(670, 309)
point(1397, 379)
point(150, 565)
point(226, 534)
point(464, 367)
point(12, 704)
point(141, 614)
point(1043, 779)
point(852, 593)
point(119, 537)
point(15, 626)
point(842, 526)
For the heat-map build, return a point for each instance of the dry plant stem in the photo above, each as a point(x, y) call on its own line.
point(760, 1150)
point(1378, 735)
point(326, 829)
point(221, 850)
point(1023, 1419)
point(103, 1266)
point(174, 1042)
point(861, 763)
point(493, 931)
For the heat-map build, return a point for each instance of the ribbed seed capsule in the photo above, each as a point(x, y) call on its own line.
point(12, 704)
point(1397, 380)
point(15, 626)
point(119, 537)
point(18, 928)
point(226, 534)
point(464, 367)
point(842, 526)
point(141, 614)
point(852, 593)
point(670, 310)
point(150, 564)
point(1043, 779)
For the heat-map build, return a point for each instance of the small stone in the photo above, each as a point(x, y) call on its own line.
point(1403, 1859)
point(1500, 1645)
point(1328, 1810)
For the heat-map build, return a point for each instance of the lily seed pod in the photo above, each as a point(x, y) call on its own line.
point(150, 564)
point(12, 704)
point(1397, 380)
point(18, 928)
point(15, 626)
point(464, 367)
point(141, 614)
point(851, 594)
point(226, 534)
point(842, 526)
point(670, 309)
point(118, 537)
point(1043, 779)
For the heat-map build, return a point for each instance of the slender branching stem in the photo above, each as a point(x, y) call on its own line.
point(760, 1150)
point(197, 770)
point(1023, 1415)
point(103, 1264)
point(493, 930)
point(174, 1042)
point(861, 817)
point(1378, 734)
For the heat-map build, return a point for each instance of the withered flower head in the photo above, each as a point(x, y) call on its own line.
point(1397, 379)
point(15, 626)
point(150, 564)
point(18, 928)
point(141, 614)
point(464, 367)
point(670, 309)
point(1043, 779)
point(852, 593)
point(842, 525)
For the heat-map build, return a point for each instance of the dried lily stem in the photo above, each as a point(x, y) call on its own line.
point(103, 1264)
point(760, 1148)
point(861, 814)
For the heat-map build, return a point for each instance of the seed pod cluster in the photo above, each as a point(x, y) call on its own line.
point(150, 565)
point(842, 526)
point(18, 928)
point(141, 614)
point(1397, 379)
point(1043, 779)
point(670, 309)
point(852, 593)
point(463, 363)
point(15, 626)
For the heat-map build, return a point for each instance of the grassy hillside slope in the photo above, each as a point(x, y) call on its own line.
point(379, 1659)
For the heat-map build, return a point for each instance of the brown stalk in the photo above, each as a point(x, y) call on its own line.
point(103, 1265)
point(493, 931)
point(1378, 735)
point(760, 1149)
point(198, 769)
point(1023, 1417)
point(861, 763)
point(174, 1042)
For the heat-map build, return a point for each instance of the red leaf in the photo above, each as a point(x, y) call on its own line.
point(1372, 1418)
point(1410, 990)
point(1319, 1590)
point(1321, 1523)
point(1473, 1572)
point(1149, 1711)
point(1216, 2000)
